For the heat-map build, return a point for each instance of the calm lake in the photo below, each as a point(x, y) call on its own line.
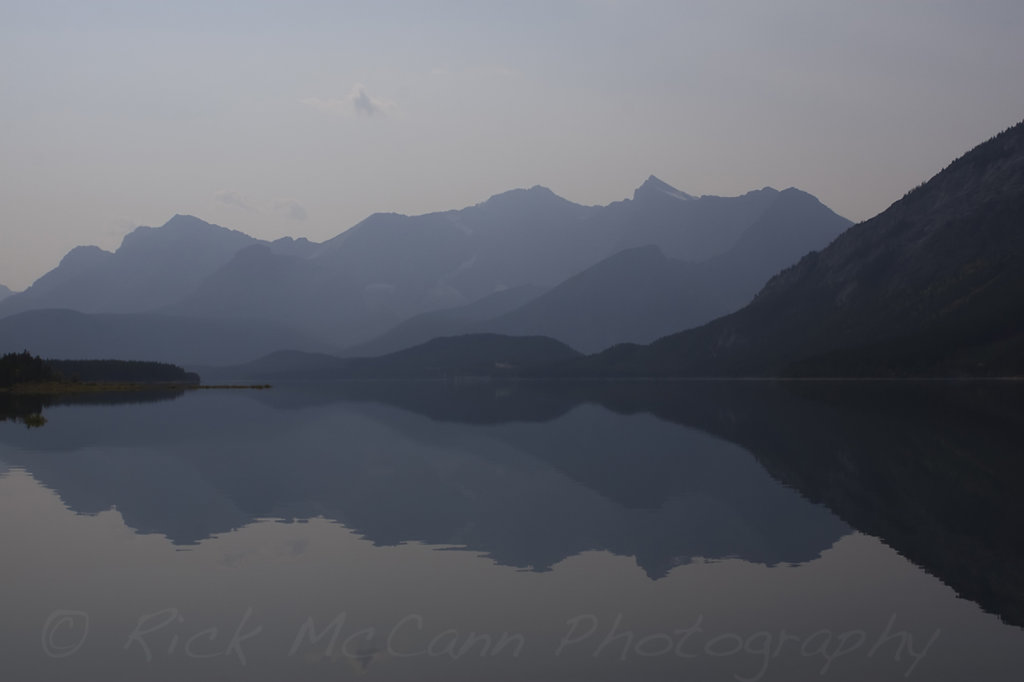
point(533, 531)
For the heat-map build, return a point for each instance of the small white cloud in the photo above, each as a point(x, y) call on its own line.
point(362, 103)
point(365, 104)
point(358, 102)
point(231, 198)
point(290, 209)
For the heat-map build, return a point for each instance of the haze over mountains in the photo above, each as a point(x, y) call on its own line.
point(930, 287)
point(641, 293)
point(525, 262)
point(933, 286)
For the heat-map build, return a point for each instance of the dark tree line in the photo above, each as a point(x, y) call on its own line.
point(121, 371)
point(19, 368)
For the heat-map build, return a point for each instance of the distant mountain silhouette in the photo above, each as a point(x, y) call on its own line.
point(152, 268)
point(471, 354)
point(161, 338)
point(447, 322)
point(636, 295)
point(684, 227)
point(450, 357)
point(526, 236)
point(298, 292)
point(4, 292)
point(640, 294)
point(391, 267)
point(932, 286)
point(456, 267)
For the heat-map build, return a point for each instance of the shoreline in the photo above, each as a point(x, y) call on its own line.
point(64, 388)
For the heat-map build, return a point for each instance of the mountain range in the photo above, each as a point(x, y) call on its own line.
point(525, 262)
point(641, 294)
point(4, 292)
point(932, 286)
point(660, 285)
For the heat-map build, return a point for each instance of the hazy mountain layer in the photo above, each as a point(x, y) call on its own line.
point(391, 268)
point(640, 294)
point(185, 341)
point(932, 286)
point(152, 268)
point(448, 357)
point(447, 322)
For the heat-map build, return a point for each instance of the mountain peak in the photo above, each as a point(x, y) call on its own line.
point(84, 256)
point(930, 287)
point(183, 230)
point(654, 187)
point(536, 193)
point(184, 221)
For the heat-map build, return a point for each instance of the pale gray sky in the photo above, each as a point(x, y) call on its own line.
point(302, 118)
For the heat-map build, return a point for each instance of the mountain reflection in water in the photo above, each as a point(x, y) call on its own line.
point(532, 474)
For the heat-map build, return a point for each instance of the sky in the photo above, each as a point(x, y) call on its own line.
point(302, 118)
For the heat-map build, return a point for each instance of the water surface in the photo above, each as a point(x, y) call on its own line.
point(642, 531)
